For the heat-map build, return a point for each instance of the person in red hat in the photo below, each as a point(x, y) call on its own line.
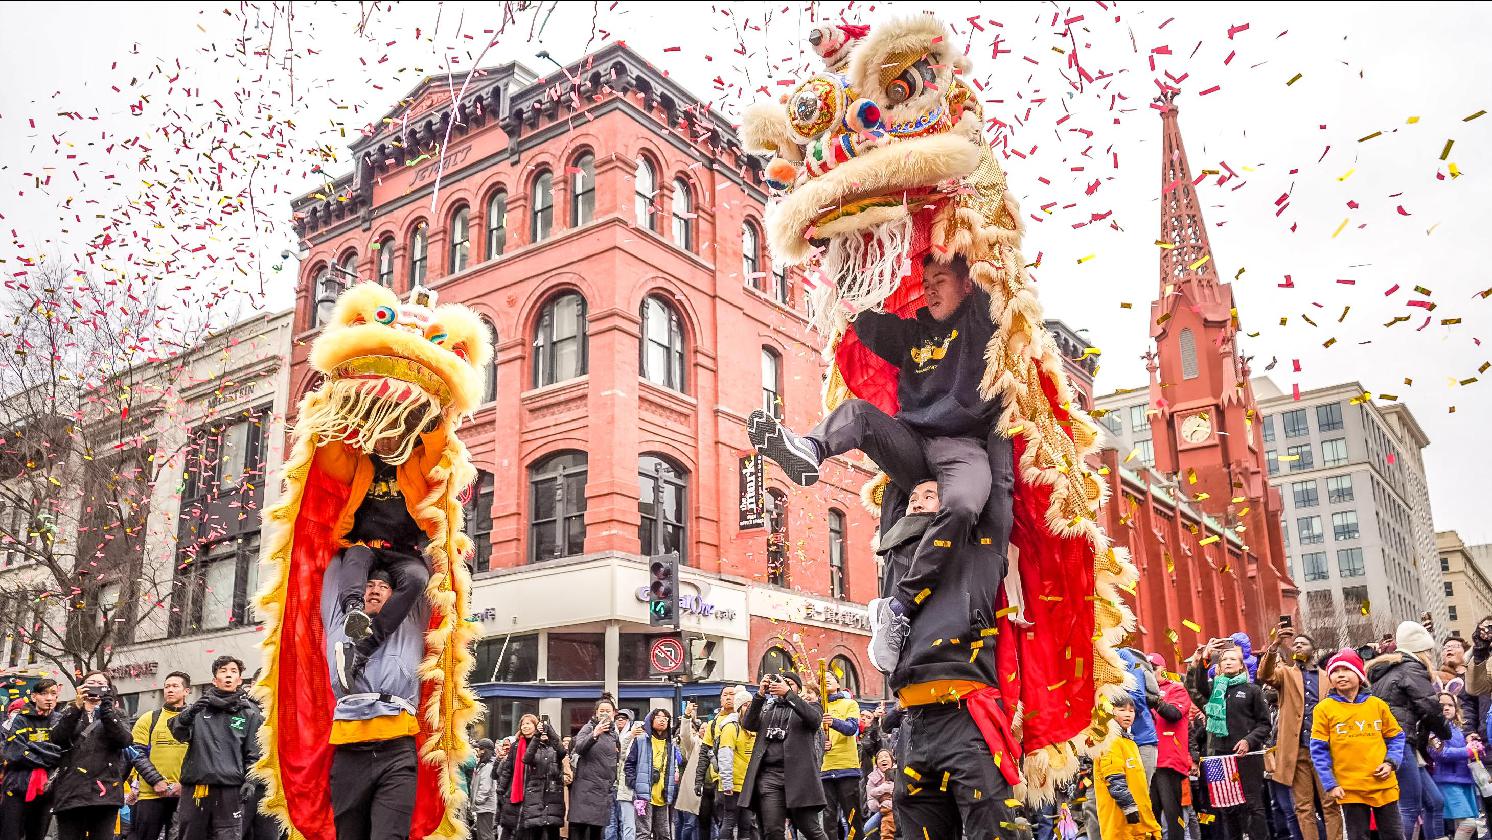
point(1357, 745)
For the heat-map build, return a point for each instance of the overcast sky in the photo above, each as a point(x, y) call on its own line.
point(156, 125)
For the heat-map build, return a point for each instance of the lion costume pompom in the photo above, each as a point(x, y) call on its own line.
point(389, 368)
point(876, 162)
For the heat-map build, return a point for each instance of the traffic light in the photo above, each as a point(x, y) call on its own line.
point(663, 590)
point(701, 658)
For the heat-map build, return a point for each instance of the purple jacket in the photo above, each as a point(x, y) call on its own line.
point(1450, 759)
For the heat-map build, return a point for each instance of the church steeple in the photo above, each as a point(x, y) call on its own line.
point(1187, 268)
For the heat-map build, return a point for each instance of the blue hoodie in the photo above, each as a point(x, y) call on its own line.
point(1143, 732)
point(1451, 760)
point(1250, 661)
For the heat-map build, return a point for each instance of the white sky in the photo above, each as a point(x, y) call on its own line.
point(1363, 69)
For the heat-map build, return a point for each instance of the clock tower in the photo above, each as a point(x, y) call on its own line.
point(1204, 420)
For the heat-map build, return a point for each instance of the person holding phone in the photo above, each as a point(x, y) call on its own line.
point(1236, 720)
point(782, 781)
point(653, 777)
point(88, 790)
point(596, 750)
point(1290, 666)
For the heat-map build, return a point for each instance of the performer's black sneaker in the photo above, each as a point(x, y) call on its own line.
point(349, 662)
point(357, 625)
point(798, 456)
point(888, 633)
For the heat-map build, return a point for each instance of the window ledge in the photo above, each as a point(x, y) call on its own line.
point(558, 392)
point(775, 303)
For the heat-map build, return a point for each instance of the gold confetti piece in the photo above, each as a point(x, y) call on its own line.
point(1446, 152)
point(1199, 263)
point(1369, 137)
point(1388, 397)
point(1348, 175)
point(1191, 625)
point(1082, 260)
point(1210, 540)
point(1329, 342)
point(1167, 245)
point(1340, 228)
point(1294, 79)
point(1126, 305)
point(1013, 803)
point(1473, 116)
point(1411, 121)
point(1455, 173)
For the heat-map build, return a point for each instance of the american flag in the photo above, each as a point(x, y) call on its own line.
point(1224, 789)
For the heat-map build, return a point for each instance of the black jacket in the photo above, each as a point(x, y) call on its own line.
point(543, 784)
point(1403, 682)
point(96, 764)
point(593, 791)
point(1248, 714)
point(221, 731)
point(28, 745)
point(804, 725)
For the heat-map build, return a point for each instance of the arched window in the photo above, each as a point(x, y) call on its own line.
point(497, 224)
point(662, 504)
point(782, 286)
point(646, 184)
point(386, 262)
point(839, 582)
point(775, 661)
point(557, 507)
point(771, 382)
point(418, 256)
point(560, 340)
point(683, 215)
point(662, 344)
point(460, 240)
point(542, 221)
point(324, 296)
point(583, 191)
point(1188, 355)
point(489, 384)
point(777, 539)
point(849, 676)
point(751, 256)
point(479, 521)
point(347, 275)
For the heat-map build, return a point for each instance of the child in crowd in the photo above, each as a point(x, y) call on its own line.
point(1451, 772)
point(1124, 811)
point(878, 790)
point(1356, 746)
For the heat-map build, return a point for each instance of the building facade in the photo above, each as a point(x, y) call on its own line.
point(1468, 586)
point(608, 227)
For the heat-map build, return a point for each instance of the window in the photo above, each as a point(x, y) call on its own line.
point(460, 240)
point(1113, 423)
point(782, 286)
point(838, 581)
point(1329, 417)
point(1310, 530)
point(1344, 525)
point(583, 190)
point(771, 383)
point(222, 456)
point(1188, 355)
point(777, 538)
point(775, 661)
point(849, 676)
point(1339, 489)
point(1451, 612)
point(504, 658)
point(662, 504)
point(751, 256)
point(1445, 564)
point(1272, 461)
point(646, 184)
point(347, 269)
point(542, 202)
point(386, 262)
point(418, 258)
point(324, 289)
point(1296, 424)
point(1334, 452)
point(1137, 420)
point(497, 224)
point(662, 344)
point(1269, 430)
point(213, 586)
point(1321, 602)
point(1355, 600)
point(560, 341)
point(1303, 459)
point(479, 521)
point(683, 215)
point(1147, 452)
point(1349, 562)
point(489, 375)
point(557, 507)
point(1314, 564)
point(575, 657)
point(1304, 493)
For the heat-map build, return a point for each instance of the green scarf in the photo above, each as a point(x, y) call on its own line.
point(1217, 704)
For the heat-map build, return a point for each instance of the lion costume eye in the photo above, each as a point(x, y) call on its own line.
point(911, 82)
point(436, 334)
point(384, 315)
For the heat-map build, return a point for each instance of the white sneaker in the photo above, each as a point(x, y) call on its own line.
point(888, 633)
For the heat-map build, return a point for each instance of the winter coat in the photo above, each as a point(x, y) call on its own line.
point(1145, 689)
point(94, 769)
point(1247, 713)
point(1119, 776)
point(878, 791)
point(1404, 684)
point(692, 750)
point(593, 791)
point(1276, 670)
point(543, 784)
point(872, 740)
point(1250, 661)
point(484, 788)
point(1451, 756)
point(800, 749)
point(1173, 736)
point(1476, 697)
point(221, 732)
point(642, 772)
point(28, 746)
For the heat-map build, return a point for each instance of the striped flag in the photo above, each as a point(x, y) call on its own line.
point(1224, 788)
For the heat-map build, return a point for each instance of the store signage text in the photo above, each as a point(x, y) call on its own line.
point(134, 670)
point(694, 604)
point(830, 614)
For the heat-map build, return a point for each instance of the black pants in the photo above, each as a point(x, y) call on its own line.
point(770, 800)
point(963, 467)
point(953, 788)
point(1248, 817)
point(150, 817)
point(1390, 822)
point(841, 795)
point(726, 810)
point(1168, 784)
point(706, 814)
point(410, 576)
point(91, 822)
point(373, 789)
point(216, 816)
point(22, 820)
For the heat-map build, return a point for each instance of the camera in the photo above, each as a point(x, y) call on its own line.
point(101, 695)
point(775, 733)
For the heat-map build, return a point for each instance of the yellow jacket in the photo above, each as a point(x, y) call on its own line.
point(1123, 759)
point(843, 754)
point(166, 753)
point(744, 743)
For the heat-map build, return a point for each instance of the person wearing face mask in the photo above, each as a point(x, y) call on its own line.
point(88, 790)
point(1289, 666)
point(1236, 719)
point(159, 762)
point(221, 731)
point(30, 756)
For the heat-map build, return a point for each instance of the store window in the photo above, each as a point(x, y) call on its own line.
point(506, 659)
point(577, 657)
point(504, 713)
point(632, 657)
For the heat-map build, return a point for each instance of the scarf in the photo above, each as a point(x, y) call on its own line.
point(1217, 704)
point(520, 746)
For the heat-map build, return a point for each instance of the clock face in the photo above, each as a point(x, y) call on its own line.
point(1196, 428)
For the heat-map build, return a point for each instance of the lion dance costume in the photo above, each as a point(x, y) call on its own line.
point(876, 163)
point(398, 376)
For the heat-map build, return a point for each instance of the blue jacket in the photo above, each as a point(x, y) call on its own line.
point(641, 774)
point(1143, 732)
point(1450, 760)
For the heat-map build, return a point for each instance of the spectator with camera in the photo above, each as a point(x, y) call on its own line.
point(221, 731)
point(159, 762)
point(782, 781)
point(88, 789)
point(30, 756)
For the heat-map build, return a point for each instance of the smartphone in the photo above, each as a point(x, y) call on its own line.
point(544, 718)
point(1286, 621)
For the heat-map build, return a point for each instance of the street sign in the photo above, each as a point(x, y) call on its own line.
point(666, 656)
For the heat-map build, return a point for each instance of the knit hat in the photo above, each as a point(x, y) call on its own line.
point(742, 698)
point(1348, 658)
point(1412, 637)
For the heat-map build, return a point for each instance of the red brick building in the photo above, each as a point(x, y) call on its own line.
point(609, 227)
